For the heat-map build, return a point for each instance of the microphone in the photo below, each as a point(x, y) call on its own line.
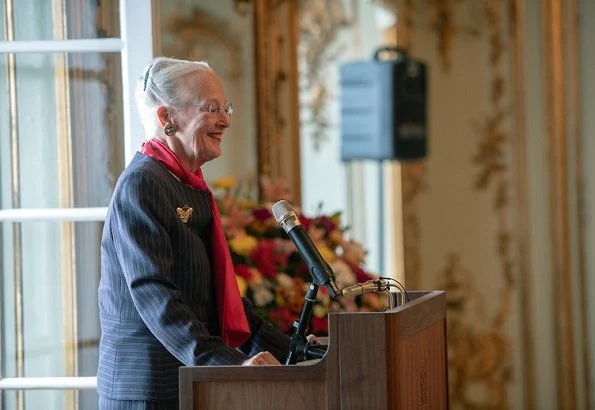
point(374, 285)
point(321, 273)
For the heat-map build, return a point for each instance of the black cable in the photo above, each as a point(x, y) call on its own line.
point(407, 298)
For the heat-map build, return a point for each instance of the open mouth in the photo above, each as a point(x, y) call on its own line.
point(215, 136)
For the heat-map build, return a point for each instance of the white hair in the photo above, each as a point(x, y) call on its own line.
point(159, 85)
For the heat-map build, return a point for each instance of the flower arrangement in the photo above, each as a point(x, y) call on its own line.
point(270, 271)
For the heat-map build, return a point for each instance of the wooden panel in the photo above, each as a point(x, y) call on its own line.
point(191, 377)
point(420, 313)
point(417, 366)
point(273, 373)
point(272, 395)
point(362, 362)
point(417, 363)
point(331, 362)
point(381, 360)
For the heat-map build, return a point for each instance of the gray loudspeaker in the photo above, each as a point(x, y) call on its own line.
point(383, 108)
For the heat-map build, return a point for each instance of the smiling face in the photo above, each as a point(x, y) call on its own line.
point(201, 121)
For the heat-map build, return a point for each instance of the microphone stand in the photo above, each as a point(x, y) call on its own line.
point(299, 344)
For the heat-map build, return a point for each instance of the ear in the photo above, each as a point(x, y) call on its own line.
point(163, 115)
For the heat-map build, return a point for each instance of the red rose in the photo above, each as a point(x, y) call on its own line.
point(300, 270)
point(305, 221)
point(319, 325)
point(262, 214)
point(282, 317)
point(243, 271)
point(326, 223)
point(264, 259)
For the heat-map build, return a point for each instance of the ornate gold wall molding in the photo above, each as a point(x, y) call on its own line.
point(321, 22)
point(521, 191)
point(198, 28)
point(413, 174)
point(275, 30)
point(576, 136)
point(441, 22)
point(443, 26)
point(494, 175)
point(502, 172)
point(558, 100)
point(276, 40)
point(479, 358)
point(413, 182)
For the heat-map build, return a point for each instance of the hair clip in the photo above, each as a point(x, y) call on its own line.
point(147, 77)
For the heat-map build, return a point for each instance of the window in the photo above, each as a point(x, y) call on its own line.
point(66, 78)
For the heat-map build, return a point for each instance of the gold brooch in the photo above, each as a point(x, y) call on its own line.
point(184, 213)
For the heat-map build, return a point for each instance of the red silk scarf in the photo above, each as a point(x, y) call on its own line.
point(232, 317)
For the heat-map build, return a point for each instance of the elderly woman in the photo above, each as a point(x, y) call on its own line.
point(168, 295)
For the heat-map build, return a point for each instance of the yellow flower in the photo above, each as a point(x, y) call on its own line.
point(327, 253)
point(324, 298)
point(320, 311)
point(242, 285)
point(225, 183)
point(280, 298)
point(245, 203)
point(243, 245)
point(336, 218)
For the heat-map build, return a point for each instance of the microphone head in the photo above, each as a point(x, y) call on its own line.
point(285, 215)
point(281, 209)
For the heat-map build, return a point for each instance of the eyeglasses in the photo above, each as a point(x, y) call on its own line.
point(215, 108)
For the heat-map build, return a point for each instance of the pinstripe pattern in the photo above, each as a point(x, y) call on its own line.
point(108, 404)
point(156, 294)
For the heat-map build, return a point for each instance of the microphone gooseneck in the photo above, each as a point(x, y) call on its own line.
point(374, 285)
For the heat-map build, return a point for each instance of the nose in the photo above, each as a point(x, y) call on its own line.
point(224, 120)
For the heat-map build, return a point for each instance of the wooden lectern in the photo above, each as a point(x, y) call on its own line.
point(375, 360)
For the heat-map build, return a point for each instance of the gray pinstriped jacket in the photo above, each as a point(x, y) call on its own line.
point(156, 294)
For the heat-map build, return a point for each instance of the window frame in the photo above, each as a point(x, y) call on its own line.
point(135, 46)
